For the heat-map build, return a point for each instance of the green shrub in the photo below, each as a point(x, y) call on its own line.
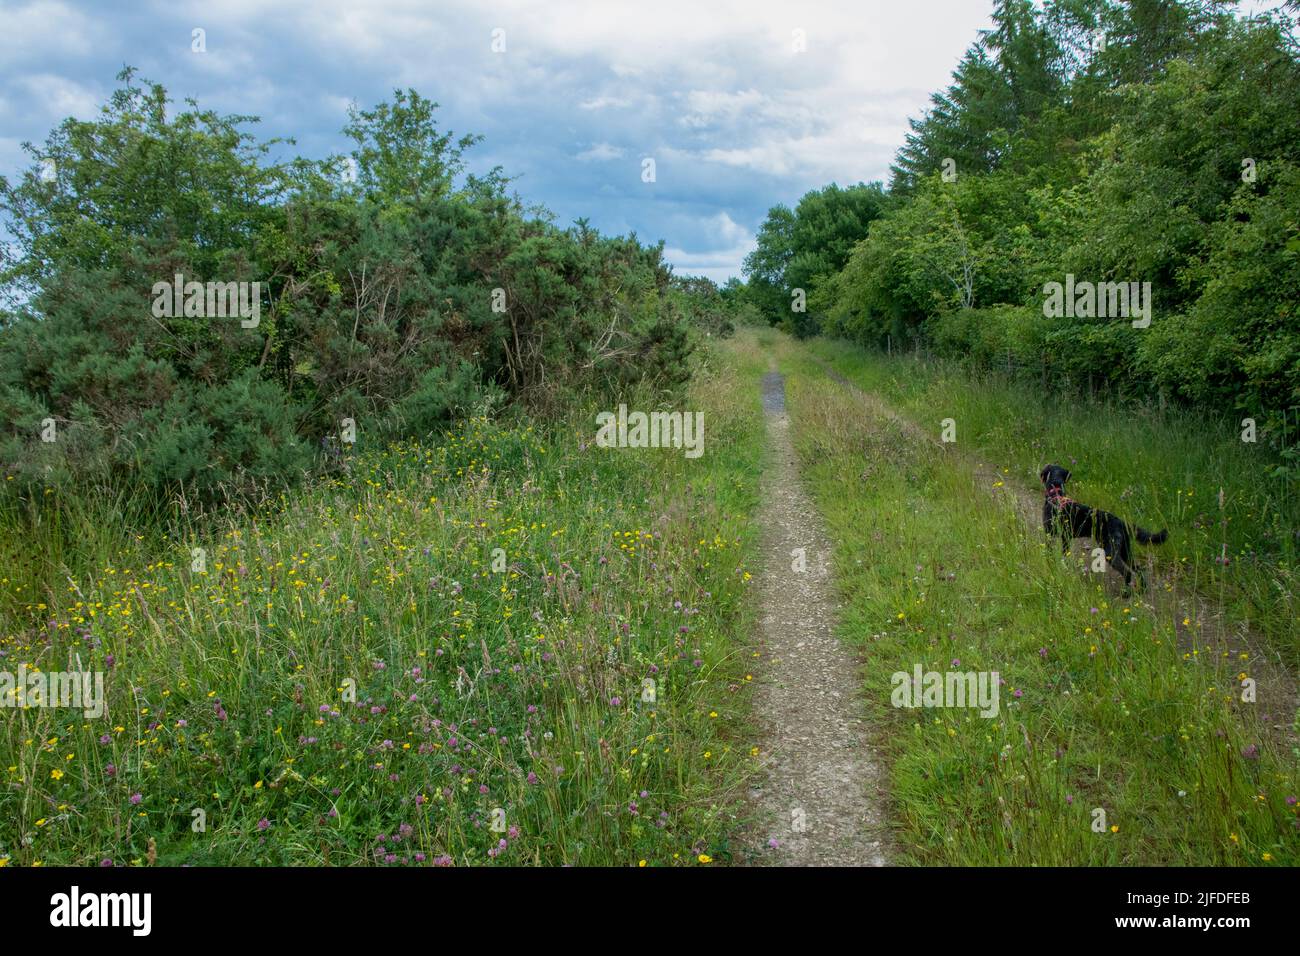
point(391, 302)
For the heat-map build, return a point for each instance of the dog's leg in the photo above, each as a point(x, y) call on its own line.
point(1122, 566)
point(1126, 550)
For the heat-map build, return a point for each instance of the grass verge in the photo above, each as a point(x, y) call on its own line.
point(1113, 745)
point(441, 658)
point(1157, 468)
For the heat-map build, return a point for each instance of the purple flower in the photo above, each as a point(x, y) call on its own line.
point(264, 824)
point(136, 799)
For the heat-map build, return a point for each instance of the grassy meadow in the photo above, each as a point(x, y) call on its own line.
point(438, 656)
point(1160, 468)
point(1104, 705)
point(354, 674)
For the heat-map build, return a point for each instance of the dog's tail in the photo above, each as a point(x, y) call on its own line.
point(1146, 537)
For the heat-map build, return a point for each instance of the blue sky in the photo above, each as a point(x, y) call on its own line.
point(740, 104)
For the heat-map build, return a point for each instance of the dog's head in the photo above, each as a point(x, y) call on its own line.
point(1054, 478)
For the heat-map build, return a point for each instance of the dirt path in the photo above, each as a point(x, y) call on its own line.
point(820, 804)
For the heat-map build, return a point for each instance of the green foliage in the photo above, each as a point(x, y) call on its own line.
point(805, 248)
point(1165, 157)
point(400, 298)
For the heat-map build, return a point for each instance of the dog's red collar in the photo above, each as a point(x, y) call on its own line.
point(1057, 497)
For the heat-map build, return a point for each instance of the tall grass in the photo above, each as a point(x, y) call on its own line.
point(354, 676)
point(1105, 708)
point(1159, 468)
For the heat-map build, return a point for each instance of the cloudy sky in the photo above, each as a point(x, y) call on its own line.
point(741, 104)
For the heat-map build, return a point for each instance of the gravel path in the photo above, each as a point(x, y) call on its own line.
point(821, 801)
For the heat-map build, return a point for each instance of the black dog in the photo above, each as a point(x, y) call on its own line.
point(1069, 519)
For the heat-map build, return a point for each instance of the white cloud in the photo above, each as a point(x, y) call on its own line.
point(601, 152)
point(736, 117)
point(605, 102)
point(730, 66)
point(61, 97)
point(32, 29)
point(729, 243)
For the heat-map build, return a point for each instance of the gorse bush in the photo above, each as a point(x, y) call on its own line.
point(385, 294)
point(1166, 155)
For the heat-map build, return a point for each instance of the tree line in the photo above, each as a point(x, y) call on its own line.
point(395, 292)
point(1148, 141)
